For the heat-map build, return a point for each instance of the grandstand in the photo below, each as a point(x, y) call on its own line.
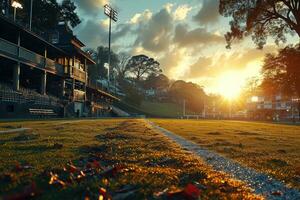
point(49, 78)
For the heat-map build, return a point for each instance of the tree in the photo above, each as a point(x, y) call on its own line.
point(142, 66)
point(155, 81)
point(68, 14)
point(191, 93)
point(123, 67)
point(261, 19)
point(47, 13)
point(281, 72)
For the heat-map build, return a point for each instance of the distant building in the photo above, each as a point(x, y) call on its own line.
point(46, 75)
point(272, 108)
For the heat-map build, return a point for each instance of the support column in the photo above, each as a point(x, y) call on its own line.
point(63, 85)
point(16, 77)
point(43, 83)
point(73, 89)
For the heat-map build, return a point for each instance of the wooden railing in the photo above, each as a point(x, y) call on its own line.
point(75, 73)
point(32, 57)
point(29, 57)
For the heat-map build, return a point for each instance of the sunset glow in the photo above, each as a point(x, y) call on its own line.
point(230, 84)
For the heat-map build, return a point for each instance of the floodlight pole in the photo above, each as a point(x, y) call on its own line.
point(112, 15)
point(30, 20)
point(15, 13)
point(109, 41)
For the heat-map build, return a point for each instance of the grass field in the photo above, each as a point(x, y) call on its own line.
point(270, 148)
point(77, 159)
point(161, 109)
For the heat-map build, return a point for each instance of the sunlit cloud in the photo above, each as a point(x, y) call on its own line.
point(181, 12)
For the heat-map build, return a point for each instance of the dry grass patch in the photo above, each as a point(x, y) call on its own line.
point(152, 162)
point(270, 148)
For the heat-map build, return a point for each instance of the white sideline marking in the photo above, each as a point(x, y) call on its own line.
point(16, 130)
point(262, 184)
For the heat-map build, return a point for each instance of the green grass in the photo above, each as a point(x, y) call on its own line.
point(270, 148)
point(151, 163)
point(161, 109)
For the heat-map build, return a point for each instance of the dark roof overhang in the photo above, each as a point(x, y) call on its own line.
point(13, 27)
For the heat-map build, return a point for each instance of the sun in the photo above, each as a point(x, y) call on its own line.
point(230, 84)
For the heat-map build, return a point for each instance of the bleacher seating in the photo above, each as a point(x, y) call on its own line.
point(24, 95)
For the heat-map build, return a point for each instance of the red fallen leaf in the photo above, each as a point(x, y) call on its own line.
point(191, 191)
point(277, 193)
point(28, 192)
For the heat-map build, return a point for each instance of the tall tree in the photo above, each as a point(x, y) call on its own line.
point(122, 67)
point(281, 72)
point(261, 19)
point(189, 92)
point(68, 14)
point(142, 66)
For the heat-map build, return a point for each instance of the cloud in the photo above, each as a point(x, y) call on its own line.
point(90, 7)
point(200, 67)
point(209, 12)
point(155, 34)
point(171, 61)
point(94, 33)
point(181, 12)
point(91, 33)
point(122, 31)
point(198, 36)
point(140, 17)
point(239, 60)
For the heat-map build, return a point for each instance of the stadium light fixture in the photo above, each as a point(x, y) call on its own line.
point(16, 5)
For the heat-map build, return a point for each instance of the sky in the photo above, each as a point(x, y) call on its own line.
point(185, 36)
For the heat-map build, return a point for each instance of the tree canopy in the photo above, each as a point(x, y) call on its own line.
point(261, 19)
point(192, 93)
point(46, 13)
point(142, 66)
point(122, 67)
point(281, 71)
point(155, 81)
